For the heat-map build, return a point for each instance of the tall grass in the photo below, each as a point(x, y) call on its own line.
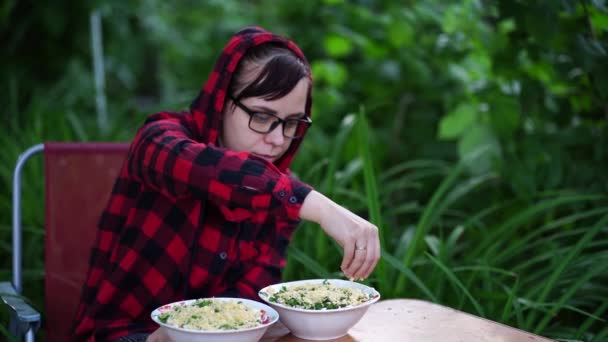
point(538, 264)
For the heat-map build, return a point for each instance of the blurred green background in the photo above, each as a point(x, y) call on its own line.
point(472, 132)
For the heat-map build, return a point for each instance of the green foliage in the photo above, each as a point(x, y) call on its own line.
point(478, 147)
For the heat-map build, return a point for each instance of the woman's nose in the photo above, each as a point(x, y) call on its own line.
point(275, 136)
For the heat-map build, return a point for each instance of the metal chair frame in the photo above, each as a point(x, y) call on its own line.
point(25, 320)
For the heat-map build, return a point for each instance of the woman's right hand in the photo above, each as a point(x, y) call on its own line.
point(158, 336)
point(358, 237)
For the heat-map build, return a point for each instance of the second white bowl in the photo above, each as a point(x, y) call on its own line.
point(322, 324)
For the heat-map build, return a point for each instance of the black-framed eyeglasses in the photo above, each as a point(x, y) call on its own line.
point(265, 123)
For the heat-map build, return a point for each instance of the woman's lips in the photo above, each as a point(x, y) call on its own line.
point(265, 156)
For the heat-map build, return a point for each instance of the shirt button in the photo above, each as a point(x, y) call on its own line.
point(293, 199)
point(223, 255)
point(282, 193)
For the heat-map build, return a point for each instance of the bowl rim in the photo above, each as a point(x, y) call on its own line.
point(272, 314)
point(375, 295)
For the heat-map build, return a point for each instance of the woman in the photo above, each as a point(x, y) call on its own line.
point(205, 204)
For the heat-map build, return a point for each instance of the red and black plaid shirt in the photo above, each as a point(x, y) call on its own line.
point(188, 219)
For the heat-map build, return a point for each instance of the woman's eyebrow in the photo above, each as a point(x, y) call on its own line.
point(296, 115)
point(265, 109)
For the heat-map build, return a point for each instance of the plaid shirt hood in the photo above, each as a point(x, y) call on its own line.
point(208, 106)
point(188, 219)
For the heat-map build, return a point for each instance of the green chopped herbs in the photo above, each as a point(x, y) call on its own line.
point(163, 317)
point(203, 303)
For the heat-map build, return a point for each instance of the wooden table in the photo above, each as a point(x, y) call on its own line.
point(405, 320)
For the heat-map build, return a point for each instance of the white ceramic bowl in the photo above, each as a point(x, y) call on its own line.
point(241, 335)
point(322, 324)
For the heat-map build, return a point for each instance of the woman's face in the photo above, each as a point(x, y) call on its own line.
point(237, 136)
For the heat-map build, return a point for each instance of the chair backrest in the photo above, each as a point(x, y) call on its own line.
point(78, 180)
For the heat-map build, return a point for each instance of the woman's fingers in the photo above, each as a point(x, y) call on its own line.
point(158, 336)
point(360, 258)
point(358, 251)
point(372, 257)
point(347, 258)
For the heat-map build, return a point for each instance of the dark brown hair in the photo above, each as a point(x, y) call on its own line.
point(281, 70)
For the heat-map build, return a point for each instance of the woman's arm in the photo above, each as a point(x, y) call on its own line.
point(163, 157)
point(358, 237)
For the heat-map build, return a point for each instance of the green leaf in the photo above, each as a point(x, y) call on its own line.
point(457, 284)
point(478, 149)
point(599, 21)
point(432, 211)
point(400, 33)
point(337, 46)
point(504, 114)
point(335, 74)
point(507, 26)
point(553, 281)
point(371, 188)
point(310, 264)
point(374, 50)
point(409, 274)
point(458, 121)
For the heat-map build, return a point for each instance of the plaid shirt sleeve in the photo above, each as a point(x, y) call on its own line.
point(165, 158)
point(266, 267)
